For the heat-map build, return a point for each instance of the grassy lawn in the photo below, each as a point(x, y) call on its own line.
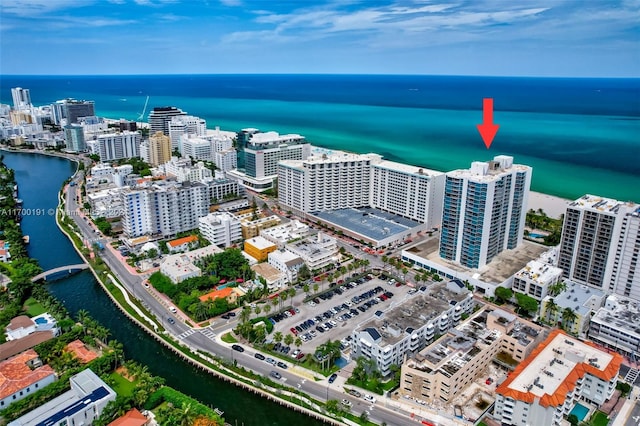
point(33, 308)
point(121, 385)
point(599, 419)
point(228, 338)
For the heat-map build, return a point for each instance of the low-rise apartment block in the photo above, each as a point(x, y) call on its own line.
point(535, 278)
point(404, 329)
point(559, 373)
point(220, 228)
point(252, 228)
point(179, 267)
point(573, 308)
point(617, 326)
point(447, 366)
point(317, 251)
point(287, 263)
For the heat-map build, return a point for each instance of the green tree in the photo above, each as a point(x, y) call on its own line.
point(277, 336)
point(526, 303)
point(288, 339)
point(503, 294)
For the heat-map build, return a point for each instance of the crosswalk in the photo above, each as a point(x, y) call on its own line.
point(187, 333)
point(208, 332)
point(631, 376)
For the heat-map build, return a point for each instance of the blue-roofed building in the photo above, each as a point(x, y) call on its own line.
point(79, 406)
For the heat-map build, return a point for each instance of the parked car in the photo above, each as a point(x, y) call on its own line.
point(354, 392)
point(237, 348)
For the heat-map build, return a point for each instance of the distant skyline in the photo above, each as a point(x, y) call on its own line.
point(563, 38)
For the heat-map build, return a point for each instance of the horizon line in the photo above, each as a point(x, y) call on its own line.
point(323, 74)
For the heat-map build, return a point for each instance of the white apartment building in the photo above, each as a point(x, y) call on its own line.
point(287, 263)
point(116, 146)
point(445, 368)
point(220, 140)
point(600, 244)
point(559, 373)
point(21, 98)
point(226, 160)
point(617, 326)
point(145, 151)
point(484, 211)
point(535, 278)
point(106, 203)
point(317, 251)
point(325, 182)
point(163, 208)
point(406, 328)
point(220, 188)
point(408, 191)
point(282, 234)
point(263, 151)
point(583, 301)
point(340, 180)
point(220, 228)
point(160, 117)
point(183, 170)
point(196, 148)
point(184, 125)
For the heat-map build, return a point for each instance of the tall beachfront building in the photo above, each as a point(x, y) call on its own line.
point(340, 180)
point(160, 118)
point(262, 153)
point(600, 245)
point(74, 138)
point(185, 125)
point(159, 149)
point(21, 98)
point(484, 211)
point(559, 374)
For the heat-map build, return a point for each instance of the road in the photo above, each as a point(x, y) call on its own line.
point(205, 338)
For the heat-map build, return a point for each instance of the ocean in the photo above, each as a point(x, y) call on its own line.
point(579, 135)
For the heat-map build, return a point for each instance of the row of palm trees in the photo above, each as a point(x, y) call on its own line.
point(568, 315)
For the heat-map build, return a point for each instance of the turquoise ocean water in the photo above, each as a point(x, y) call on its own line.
point(580, 136)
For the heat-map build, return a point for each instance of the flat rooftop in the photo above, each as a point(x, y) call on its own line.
point(406, 168)
point(551, 370)
point(411, 314)
point(578, 297)
point(600, 204)
point(260, 243)
point(539, 272)
point(621, 314)
point(369, 222)
point(501, 267)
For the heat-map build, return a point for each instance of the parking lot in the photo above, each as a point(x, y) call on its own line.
point(334, 314)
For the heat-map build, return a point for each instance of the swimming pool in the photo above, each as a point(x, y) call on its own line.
point(41, 320)
point(532, 235)
point(580, 411)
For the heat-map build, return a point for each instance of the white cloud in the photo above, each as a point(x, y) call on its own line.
point(231, 3)
point(31, 8)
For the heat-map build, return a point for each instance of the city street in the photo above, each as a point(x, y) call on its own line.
point(207, 338)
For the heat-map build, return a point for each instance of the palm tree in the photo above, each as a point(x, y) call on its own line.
point(257, 310)
point(186, 416)
point(316, 287)
point(288, 339)
point(568, 318)
point(245, 313)
point(277, 336)
point(298, 342)
point(292, 293)
point(305, 288)
point(266, 308)
point(552, 309)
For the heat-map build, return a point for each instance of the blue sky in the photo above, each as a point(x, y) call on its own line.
point(573, 38)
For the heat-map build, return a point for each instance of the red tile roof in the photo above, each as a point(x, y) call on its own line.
point(217, 294)
point(568, 384)
point(183, 240)
point(132, 418)
point(16, 375)
point(81, 352)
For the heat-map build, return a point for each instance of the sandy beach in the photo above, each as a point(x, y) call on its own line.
point(552, 206)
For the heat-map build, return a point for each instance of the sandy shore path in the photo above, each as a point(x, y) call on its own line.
point(552, 206)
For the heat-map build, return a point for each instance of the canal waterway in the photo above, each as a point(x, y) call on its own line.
point(39, 179)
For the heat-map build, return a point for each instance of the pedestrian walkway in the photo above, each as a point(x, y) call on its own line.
point(632, 376)
point(208, 332)
point(187, 333)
